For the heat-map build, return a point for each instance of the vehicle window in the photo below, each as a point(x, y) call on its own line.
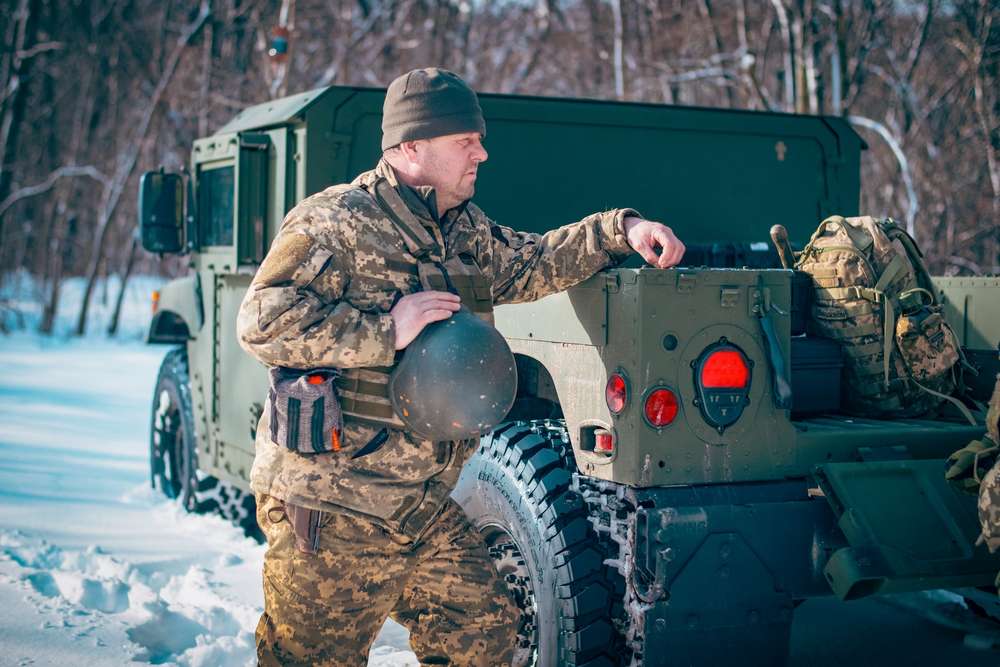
point(215, 207)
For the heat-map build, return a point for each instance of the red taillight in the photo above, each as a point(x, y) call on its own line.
point(604, 442)
point(616, 393)
point(660, 408)
point(725, 369)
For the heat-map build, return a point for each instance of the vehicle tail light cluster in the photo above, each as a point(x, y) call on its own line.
point(658, 409)
point(722, 377)
point(155, 298)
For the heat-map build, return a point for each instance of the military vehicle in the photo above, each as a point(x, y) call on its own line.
point(675, 475)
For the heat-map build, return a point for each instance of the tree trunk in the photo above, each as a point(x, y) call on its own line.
point(127, 164)
point(129, 264)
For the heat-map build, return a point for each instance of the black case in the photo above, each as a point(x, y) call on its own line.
point(816, 367)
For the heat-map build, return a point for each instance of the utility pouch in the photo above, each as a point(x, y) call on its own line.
point(927, 345)
point(305, 410)
point(305, 523)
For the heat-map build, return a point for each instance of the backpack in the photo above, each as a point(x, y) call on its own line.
point(873, 295)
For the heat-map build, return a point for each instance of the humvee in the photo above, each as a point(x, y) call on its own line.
point(676, 474)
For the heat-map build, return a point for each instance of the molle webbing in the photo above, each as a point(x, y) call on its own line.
point(364, 392)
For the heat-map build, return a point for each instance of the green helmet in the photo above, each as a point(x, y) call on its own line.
point(456, 380)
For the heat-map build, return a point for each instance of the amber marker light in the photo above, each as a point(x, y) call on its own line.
point(155, 298)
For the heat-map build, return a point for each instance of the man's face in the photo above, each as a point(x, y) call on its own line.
point(449, 164)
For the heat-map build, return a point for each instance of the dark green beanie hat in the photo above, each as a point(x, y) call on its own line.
point(427, 103)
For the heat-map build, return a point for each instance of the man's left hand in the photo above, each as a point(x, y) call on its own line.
point(647, 237)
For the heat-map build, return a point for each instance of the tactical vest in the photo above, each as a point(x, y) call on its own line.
point(364, 392)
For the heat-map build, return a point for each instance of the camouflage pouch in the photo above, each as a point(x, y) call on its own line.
point(305, 411)
point(928, 347)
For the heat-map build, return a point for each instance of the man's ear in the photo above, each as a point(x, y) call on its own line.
point(409, 149)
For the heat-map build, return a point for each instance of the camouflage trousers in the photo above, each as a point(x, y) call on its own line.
point(324, 609)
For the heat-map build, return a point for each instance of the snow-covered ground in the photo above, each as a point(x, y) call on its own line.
point(95, 569)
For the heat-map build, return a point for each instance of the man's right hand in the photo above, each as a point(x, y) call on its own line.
point(415, 311)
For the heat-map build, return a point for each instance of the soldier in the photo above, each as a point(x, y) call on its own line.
point(359, 522)
point(989, 490)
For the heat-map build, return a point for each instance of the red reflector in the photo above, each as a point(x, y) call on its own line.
point(725, 369)
point(616, 393)
point(604, 442)
point(660, 408)
point(315, 379)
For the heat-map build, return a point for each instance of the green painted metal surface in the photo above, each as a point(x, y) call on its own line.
point(907, 529)
point(553, 161)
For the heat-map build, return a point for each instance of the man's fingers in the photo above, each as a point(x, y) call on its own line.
point(436, 315)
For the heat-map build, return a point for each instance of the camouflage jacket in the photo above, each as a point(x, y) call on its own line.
point(321, 299)
point(989, 490)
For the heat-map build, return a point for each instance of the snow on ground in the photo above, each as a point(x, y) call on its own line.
point(95, 568)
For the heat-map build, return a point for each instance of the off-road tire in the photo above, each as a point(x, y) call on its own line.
point(173, 452)
point(517, 490)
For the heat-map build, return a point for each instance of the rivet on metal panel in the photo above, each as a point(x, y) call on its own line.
point(686, 282)
point(729, 297)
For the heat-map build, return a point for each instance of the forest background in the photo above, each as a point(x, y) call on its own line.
point(93, 93)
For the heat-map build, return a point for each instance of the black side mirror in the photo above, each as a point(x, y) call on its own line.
point(161, 212)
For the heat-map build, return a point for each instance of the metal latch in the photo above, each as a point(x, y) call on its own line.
point(612, 282)
point(686, 282)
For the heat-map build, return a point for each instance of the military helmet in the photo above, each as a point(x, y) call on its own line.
point(456, 380)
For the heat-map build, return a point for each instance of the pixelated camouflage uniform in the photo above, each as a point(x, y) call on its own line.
point(321, 298)
point(989, 490)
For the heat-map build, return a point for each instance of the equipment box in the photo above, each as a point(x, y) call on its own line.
point(816, 366)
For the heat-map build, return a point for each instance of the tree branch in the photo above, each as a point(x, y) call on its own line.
point(913, 205)
point(67, 171)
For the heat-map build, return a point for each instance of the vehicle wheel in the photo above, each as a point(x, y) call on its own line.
point(173, 452)
point(517, 490)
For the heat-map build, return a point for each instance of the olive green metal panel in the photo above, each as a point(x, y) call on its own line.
point(180, 296)
point(553, 161)
point(578, 316)
point(274, 112)
point(839, 437)
point(240, 380)
point(972, 307)
point(253, 191)
point(697, 308)
point(907, 529)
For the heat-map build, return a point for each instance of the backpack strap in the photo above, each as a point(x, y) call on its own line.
point(896, 266)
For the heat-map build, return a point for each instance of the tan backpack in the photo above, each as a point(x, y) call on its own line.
point(872, 294)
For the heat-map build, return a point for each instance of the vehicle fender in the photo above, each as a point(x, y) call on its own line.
point(179, 315)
